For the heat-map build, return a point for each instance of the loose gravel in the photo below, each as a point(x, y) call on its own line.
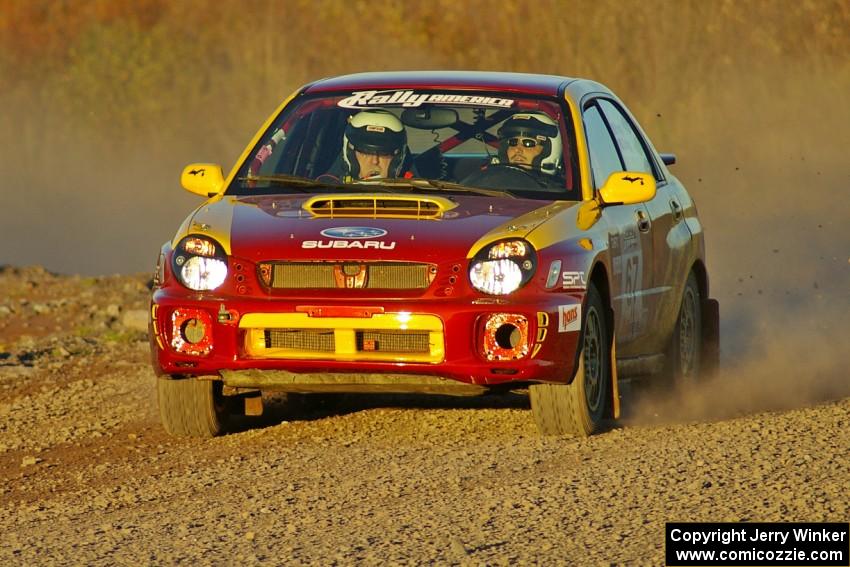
point(90, 477)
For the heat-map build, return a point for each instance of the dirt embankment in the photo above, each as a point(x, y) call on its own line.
point(90, 478)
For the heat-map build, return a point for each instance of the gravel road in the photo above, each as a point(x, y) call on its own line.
point(91, 478)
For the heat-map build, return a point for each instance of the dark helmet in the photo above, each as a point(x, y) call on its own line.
point(374, 132)
point(540, 127)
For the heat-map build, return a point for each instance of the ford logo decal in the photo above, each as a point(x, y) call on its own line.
point(353, 232)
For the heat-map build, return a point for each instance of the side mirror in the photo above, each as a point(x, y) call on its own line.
point(668, 159)
point(627, 188)
point(204, 179)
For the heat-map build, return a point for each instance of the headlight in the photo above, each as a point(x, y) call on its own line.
point(200, 263)
point(503, 267)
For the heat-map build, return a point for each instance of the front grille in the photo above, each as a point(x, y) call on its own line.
point(397, 276)
point(382, 337)
point(301, 339)
point(343, 275)
point(295, 275)
point(393, 341)
point(367, 341)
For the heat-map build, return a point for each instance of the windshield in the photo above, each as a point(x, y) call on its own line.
point(415, 140)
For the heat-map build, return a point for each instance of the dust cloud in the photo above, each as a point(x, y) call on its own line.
point(778, 246)
point(92, 211)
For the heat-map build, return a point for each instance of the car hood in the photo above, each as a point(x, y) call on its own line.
point(287, 227)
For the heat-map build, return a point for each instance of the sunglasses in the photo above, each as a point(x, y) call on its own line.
point(526, 142)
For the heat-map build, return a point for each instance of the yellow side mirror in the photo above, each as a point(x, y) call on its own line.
point(205, 179)
point(627, 188)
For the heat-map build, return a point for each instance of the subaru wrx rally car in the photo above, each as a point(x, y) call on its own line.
point(438, 232)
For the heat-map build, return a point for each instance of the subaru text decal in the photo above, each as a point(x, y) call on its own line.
point(351, 237)
point(354, 232)
point(345, 244)
point(367, 99)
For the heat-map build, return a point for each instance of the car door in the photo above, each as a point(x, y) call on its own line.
point(670, 235)
point(629, 239)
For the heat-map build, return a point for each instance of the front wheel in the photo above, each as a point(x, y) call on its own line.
point(578, 408)
point(191, 407)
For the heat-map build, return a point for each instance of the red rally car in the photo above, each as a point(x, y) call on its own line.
point(440, 232)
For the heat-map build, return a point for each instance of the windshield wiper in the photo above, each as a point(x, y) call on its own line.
point(435, 185)
point(380, 184)
point(294, 181)
point(297, 182)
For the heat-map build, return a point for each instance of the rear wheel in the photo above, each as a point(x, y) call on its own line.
point(578, 408)
point(191, 407)
point(683, 360)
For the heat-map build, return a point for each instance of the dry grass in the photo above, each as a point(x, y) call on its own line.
point(131, 72)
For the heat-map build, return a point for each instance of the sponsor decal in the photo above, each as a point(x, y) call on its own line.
point(574, 279)
point(627, 270)
point(353, 232)
point(631, 241)
point(410, 99)
point(569, 318)
point(346, 245)
point(542, 323)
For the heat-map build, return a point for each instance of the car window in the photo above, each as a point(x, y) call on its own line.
point(473, 139)
point(632, 150)
point(604, 159)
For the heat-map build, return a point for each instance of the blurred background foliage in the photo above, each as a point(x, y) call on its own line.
point(104, 101)
point(103, 69)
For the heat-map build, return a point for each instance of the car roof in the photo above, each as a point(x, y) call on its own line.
point(525, 83)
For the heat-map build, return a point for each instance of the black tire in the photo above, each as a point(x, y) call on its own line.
point(191, 407)
point(578, 408)
point(683, 357)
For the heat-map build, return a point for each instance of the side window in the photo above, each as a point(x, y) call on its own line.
point(604, 159)
point(632, 150)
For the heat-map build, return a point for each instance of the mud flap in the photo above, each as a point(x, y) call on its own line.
point(615, 390)
point(560, 409)
point(710, 337)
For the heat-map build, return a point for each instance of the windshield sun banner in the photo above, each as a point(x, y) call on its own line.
point(411, 99)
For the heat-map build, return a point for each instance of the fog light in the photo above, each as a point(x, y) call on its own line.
point(505, 337)
point(191, 331)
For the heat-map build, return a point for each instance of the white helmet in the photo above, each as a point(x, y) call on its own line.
point(374, 132)
point(537, 126)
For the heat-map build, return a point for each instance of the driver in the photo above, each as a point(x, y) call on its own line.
point(529, 142)
point(374, 146)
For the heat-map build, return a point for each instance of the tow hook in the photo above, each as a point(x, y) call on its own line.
point(245, 401)
point(226, 315)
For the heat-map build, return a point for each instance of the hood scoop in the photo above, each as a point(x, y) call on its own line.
point(370, 205)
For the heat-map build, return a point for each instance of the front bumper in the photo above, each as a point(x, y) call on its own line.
point(287, 344)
